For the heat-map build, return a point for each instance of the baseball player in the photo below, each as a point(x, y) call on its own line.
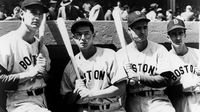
point(100, 87)
point(24, 60)
point(147, 69)
point(185, 91)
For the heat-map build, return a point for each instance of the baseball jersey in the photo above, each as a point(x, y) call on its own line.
point(18, 56)
point(184, 68)
point(98, 72)
point(152, 61)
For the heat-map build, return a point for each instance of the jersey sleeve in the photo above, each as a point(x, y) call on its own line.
point(7, 80)
point(68, 84)
point(120, 74)
point(163, 64)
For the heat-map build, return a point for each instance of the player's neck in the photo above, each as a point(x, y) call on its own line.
point(181, 50)
point(89, 52)
point(141, 45)
point(26, 34)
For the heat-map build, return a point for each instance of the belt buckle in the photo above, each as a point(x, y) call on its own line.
point(151, 93)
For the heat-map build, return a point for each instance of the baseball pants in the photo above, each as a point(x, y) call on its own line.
point(148, 104)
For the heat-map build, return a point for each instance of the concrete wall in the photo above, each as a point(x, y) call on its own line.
point(106, 36)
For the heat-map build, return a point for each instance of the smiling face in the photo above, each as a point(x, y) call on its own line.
point(32, 17)
point(83, 37)
point(176, 36)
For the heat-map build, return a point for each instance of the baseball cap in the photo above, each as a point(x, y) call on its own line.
point(153, 6)
point(136, 16)
point(81, 22)
point(174, 24)
point(28, 3)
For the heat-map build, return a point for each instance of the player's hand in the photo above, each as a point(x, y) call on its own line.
point(129, 71)
point(33, 71)
point(86, 93)
point(41, 63)
point(79, 83)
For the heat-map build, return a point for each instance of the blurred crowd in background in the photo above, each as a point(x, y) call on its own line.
point(95, 10)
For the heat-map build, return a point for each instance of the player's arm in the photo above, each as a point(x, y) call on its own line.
point(157, 81)
point(7, 82)
point(117, 79)
point(10, 81)
point(68, 85)
point(45, 55)
point(163, 75)
point(117, 89)
point(118, 83)
point(20, 77)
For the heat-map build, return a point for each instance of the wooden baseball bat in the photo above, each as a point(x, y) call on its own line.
point(41, 32)
point(199, 47)
point(120, 32)
point(66, 39)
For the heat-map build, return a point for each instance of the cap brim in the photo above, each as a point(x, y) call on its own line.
point(139, 19)
point(176, 27)
point(81, 23)
point(30, 5)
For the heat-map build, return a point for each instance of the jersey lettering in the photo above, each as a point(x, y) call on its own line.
point(27, 61)
point(97, 75)
point(143, 68)
point(23, 64)
point(184, 70)
point(34, 59)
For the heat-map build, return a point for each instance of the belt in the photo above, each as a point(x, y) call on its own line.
point(96, 107)
point(35, 92)
point(148, 93)
point(104, 107)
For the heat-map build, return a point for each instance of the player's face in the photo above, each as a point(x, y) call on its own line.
point(83, 37)
point(176, 36)
point(32, 17)
point(141, 30)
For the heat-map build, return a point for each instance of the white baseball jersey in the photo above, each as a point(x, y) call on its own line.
point(153, 59)
point(99, 72)
point(184, 68)
point(18, 56)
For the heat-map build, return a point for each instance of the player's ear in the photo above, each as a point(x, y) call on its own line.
point(168, 38)
point(184, 34)
point(72, 37)
point(94, 34)
point(129, 30)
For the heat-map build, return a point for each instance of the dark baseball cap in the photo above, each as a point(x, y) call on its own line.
point(174, 24)
point(26, 4)
point(136, 16)
point(81, 22)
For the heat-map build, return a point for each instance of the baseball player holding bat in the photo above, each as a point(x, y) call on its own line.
point(100, 87)
point(185, 91)
point(147, 69)
point(23, 60)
